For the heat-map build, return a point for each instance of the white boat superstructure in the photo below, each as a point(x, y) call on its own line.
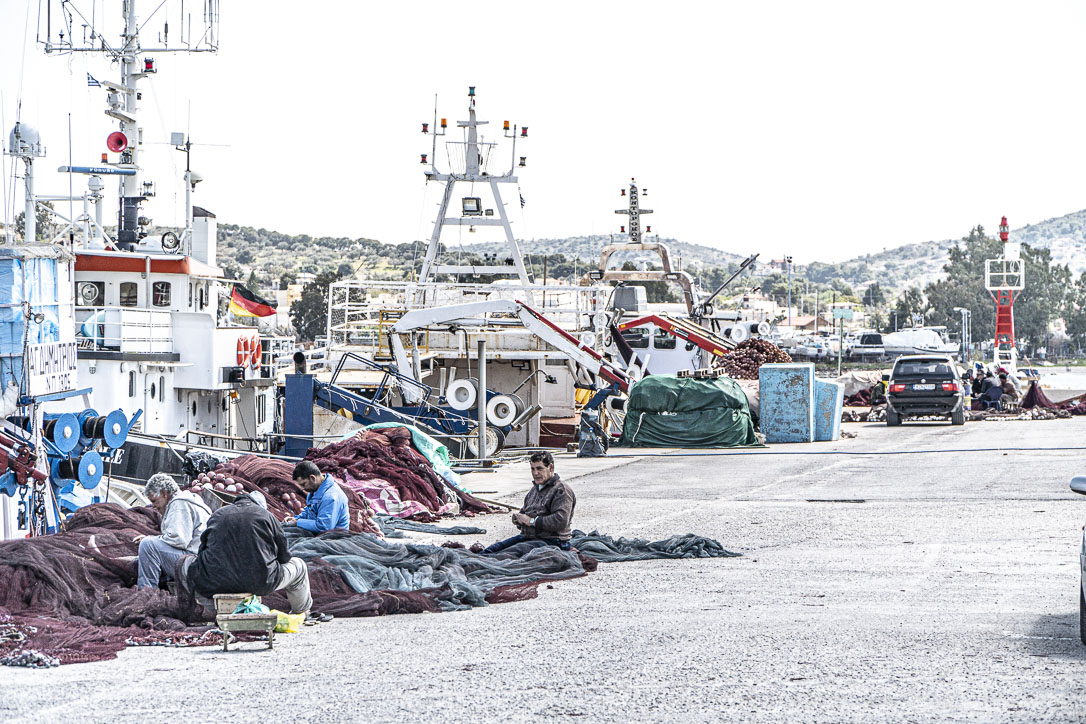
point(362, 312)
point(148, 312)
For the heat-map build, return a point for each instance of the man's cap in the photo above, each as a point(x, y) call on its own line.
point(258, 498)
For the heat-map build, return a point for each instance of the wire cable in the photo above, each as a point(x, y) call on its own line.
point(765, 451)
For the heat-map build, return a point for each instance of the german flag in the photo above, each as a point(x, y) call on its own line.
point(244, 303)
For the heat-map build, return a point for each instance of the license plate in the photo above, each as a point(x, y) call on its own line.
point(923, 387)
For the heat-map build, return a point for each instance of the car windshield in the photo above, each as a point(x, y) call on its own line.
point(930, 368)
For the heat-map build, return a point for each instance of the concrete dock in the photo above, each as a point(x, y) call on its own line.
point(925, 572)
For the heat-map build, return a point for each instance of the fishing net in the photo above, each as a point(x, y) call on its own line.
point(1036, 397)
point(71, 597)
point(284, 497)
point(387, 455)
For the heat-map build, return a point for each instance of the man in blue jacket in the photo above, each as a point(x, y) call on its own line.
point(325, 506)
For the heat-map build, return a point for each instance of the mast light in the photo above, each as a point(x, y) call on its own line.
point(444, 123)
point(622, 229)
point(506, 125)
point(425, 127)
point(523, 161)
point(422, 158)
point(471, 91)
point(148, 65)
point(622, 192)
point(1004, 230)
point(524, 131)
point(105, 158)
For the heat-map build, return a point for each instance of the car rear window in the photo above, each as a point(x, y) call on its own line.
point(922, 367)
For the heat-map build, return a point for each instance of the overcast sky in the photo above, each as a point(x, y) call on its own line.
point(820, 129)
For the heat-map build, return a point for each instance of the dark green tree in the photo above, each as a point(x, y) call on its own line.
point(911, 305)
point(1045, 297)
point(874, 296)
point(310, 313)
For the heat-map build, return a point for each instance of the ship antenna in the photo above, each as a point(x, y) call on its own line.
point(433, 149)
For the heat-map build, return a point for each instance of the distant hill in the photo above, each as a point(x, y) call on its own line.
point(273, 255)
point(587, 248)
point(918, 264)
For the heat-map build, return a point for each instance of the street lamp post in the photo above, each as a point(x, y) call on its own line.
point(966, 341)
point(788, 261)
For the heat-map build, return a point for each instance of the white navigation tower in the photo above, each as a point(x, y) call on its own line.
point(470, 161)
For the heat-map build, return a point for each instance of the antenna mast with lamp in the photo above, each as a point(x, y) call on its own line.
point(123, 100)
point(474, 158)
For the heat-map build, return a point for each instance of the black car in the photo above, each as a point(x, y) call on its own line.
point(924, 385)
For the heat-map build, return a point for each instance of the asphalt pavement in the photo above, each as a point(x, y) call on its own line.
point(908, 574)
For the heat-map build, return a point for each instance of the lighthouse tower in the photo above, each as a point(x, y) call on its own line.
point(1004, 278)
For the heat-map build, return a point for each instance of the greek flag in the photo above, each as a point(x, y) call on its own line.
point(522, 201)
point(92, 82)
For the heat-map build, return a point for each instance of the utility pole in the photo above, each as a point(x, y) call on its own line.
point(788, 261)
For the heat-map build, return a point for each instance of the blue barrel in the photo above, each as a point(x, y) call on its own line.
point(829, 404)
point(786, 400)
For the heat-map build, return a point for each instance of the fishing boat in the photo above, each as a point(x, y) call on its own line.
point(143, 312)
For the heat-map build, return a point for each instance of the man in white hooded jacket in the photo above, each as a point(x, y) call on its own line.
point(184, 517)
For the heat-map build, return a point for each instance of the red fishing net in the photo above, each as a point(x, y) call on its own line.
point(387, 454)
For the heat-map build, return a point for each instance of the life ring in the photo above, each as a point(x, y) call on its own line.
point(244, 353)
point(257, 353)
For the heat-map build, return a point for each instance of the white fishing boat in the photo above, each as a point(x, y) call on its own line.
point(918, 340)
point(143, 312)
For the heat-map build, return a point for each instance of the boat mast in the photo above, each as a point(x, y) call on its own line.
point(123, 98)
point(472, 213)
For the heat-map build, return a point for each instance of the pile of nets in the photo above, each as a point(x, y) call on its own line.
point(383, 466)
point(71, 597)
point(742, 363)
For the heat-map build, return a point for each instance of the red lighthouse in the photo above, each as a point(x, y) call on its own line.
point(1004, 280)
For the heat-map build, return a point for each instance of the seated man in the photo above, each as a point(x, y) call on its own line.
point(992, 398)
point(183, 519)
point(325, 506)
point(547, 511)
point(1010, 391)
point(243, 550)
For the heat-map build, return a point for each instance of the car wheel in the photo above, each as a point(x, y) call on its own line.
point(893, 419)
point(958, 416)
point(1081, 614)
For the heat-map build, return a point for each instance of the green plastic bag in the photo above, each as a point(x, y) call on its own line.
point(251, 605)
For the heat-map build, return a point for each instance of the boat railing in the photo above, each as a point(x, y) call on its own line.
point(360, 312)
point(124, 329)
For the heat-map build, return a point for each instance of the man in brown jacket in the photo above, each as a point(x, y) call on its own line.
point(547, 511)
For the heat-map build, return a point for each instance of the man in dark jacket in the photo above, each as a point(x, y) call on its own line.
point(243, 550)
point(547, 511)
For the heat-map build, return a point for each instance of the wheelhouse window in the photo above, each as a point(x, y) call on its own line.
point(662, 340)
point(129, 294)
point(636, 337)
point(160, 294)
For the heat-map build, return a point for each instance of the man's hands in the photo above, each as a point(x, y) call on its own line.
point(138, 538)
point(521, 520)
point(290, 520)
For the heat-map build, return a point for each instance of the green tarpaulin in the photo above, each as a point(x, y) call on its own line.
point(670, 411)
